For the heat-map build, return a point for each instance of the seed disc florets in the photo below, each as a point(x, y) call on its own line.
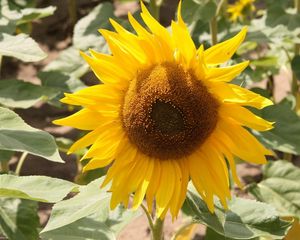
point(167, 112)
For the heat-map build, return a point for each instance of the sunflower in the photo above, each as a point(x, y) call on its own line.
point(166, 114)
point(240, 8)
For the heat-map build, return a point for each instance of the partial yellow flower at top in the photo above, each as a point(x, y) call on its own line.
point(240, 9)
point(166, 114)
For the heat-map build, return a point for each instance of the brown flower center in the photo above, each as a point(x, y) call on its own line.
point(167, 112)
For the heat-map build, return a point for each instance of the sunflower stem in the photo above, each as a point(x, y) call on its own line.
point(213, 24)
point(148, 215)
point(155, 8)
point(1, 57)
point(72, 8)
point(213, 30)
point(21, 162)
point(295, 86)
point(157, 233)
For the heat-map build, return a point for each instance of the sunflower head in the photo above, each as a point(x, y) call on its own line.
point(166, 113)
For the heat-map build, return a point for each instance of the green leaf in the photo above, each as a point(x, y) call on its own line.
point(246, 47)
point(21, 47)
point(19, 219)
point(18, 12)
point(6, 25)
point(83, 229)
point(94, 227)
point(212, 235)
point(246, 218)
point(117, 219)
point(90, 199)
point(296, 66)
point(30, 14)
point(19, 94)
point(277, 15)
point(267, 61)
point(68, 62)
point(280, 187)
point(16, 135)
point(5, 156)
point(194, 10)
point(86, 33)
point(89, 176)
point(257, 37)
point(9, 10)
point(63, 144)
point(285, 136)
point(61, 83)
point(91, 202)
point(37, 188)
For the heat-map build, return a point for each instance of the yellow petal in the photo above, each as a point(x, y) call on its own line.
point(225, 74)
point(184, 183)
point(97, 163)
point(217, 169)
point(161, 34)
point(115, 61)
point(137, 174)
point(78, 120)
point(127, 159)
point(139, 195)
point(95, 104)
point(187, 51)
point(166, 187)
point(247, 98)
point(100, 93)
point(177, 191)
point(108, 72)
point(200, 180)
point(140, 30)
point(227, 153)
point(131, 46)
point(245, 117)
point(118, 181)
point(242, 143)
point(180, 35)
point(90, 138)
point(106, 144)
point(223, 51)
point(153, 186)
point(150, 42)
point(187, 232)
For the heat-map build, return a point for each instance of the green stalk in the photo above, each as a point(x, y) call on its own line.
point(295, 86)
point(213, 24)
point(213, 30)
point(156, 227)
point(155, 8)
point(72, 8)
point(150, 221)
point(1, 58)
point(20, 163)
point(157, 233)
